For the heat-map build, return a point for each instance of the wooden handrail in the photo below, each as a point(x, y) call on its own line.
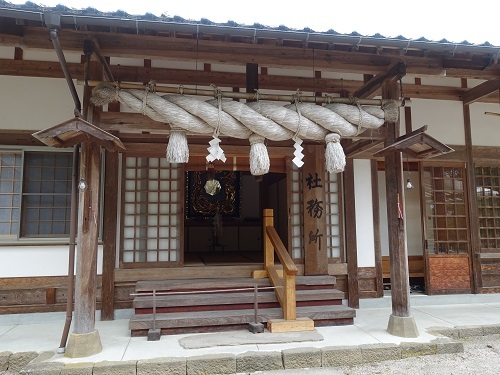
point(285, 258)
point(272, 243)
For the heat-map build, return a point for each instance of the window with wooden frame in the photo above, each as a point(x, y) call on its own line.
point(488, 198)
point(151, 224)
point(10, 193)
point(333, 208)
point(35, 194)
point(446, 210)
point(46, 194)
point(296, 214)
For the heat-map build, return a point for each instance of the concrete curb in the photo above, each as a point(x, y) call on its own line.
point(248, 362)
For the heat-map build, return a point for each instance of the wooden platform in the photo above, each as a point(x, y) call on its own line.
point(206, 305)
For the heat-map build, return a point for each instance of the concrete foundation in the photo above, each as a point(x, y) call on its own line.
point(402, 326)
point(83, 345)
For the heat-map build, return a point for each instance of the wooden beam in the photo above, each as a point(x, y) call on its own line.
point(49, 69)
point(397, 70)
point(18, 53)
point(481, 91)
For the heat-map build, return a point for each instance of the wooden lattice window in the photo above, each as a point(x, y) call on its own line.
point(151, 217)
point(446, 210)
point(333, 208)
point(46, 194)
point(488, 197)
point(296, 213)
point(10, 192)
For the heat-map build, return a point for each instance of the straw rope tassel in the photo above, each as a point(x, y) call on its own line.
point(177, 147)
point(259, 158)
point(334, 154)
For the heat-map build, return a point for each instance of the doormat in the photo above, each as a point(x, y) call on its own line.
point(233, 338)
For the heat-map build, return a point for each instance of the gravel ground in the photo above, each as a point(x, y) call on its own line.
point(481, 356)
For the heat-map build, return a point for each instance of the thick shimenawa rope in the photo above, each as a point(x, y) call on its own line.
point(255, 121)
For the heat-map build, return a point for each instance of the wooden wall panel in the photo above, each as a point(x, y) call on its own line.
point(23, 297)
point(341, 283)
point(449, 274)
point(36, 294)
point(490, 274)
point(368, 283)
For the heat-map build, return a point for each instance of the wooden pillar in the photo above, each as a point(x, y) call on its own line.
point(252, 82)
point(85, 340)
point(475, 240)
point(376, 228)
point(313, 170)
point(88, 219)
point(350, 235)
point(109, 236)
point(400, 286)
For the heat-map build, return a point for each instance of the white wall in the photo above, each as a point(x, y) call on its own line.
point(444, 118)
point(412, 208)
point(413, 216)
point(7, 52)
point(364, 214)
point(35, 103)
point(382, 202)
point(485, 128)
point(29, 261)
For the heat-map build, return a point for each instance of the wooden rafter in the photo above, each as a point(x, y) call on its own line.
point(160, 47)
point(361, 146)
point(92, 47)
point(397, 70)
point(481, 91)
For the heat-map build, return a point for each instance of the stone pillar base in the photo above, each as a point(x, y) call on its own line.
point(83, 345)
point(402, 326)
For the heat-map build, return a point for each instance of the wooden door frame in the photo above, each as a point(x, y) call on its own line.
point(422, 165)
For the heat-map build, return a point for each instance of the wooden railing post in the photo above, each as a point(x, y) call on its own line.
point(284, 281)
point(267, 221)
point(290, 308)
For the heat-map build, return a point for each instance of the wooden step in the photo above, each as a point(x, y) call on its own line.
point(211, 284)
point(178, 322)
point(231, 298)
point(205, 305)
point(199, 284)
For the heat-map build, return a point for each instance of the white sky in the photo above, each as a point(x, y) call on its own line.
point(456, 20)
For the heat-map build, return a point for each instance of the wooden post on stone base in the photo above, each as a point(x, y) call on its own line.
point(84, 341)
point(401, 323)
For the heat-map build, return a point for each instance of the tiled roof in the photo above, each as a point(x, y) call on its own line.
point(30, 6)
